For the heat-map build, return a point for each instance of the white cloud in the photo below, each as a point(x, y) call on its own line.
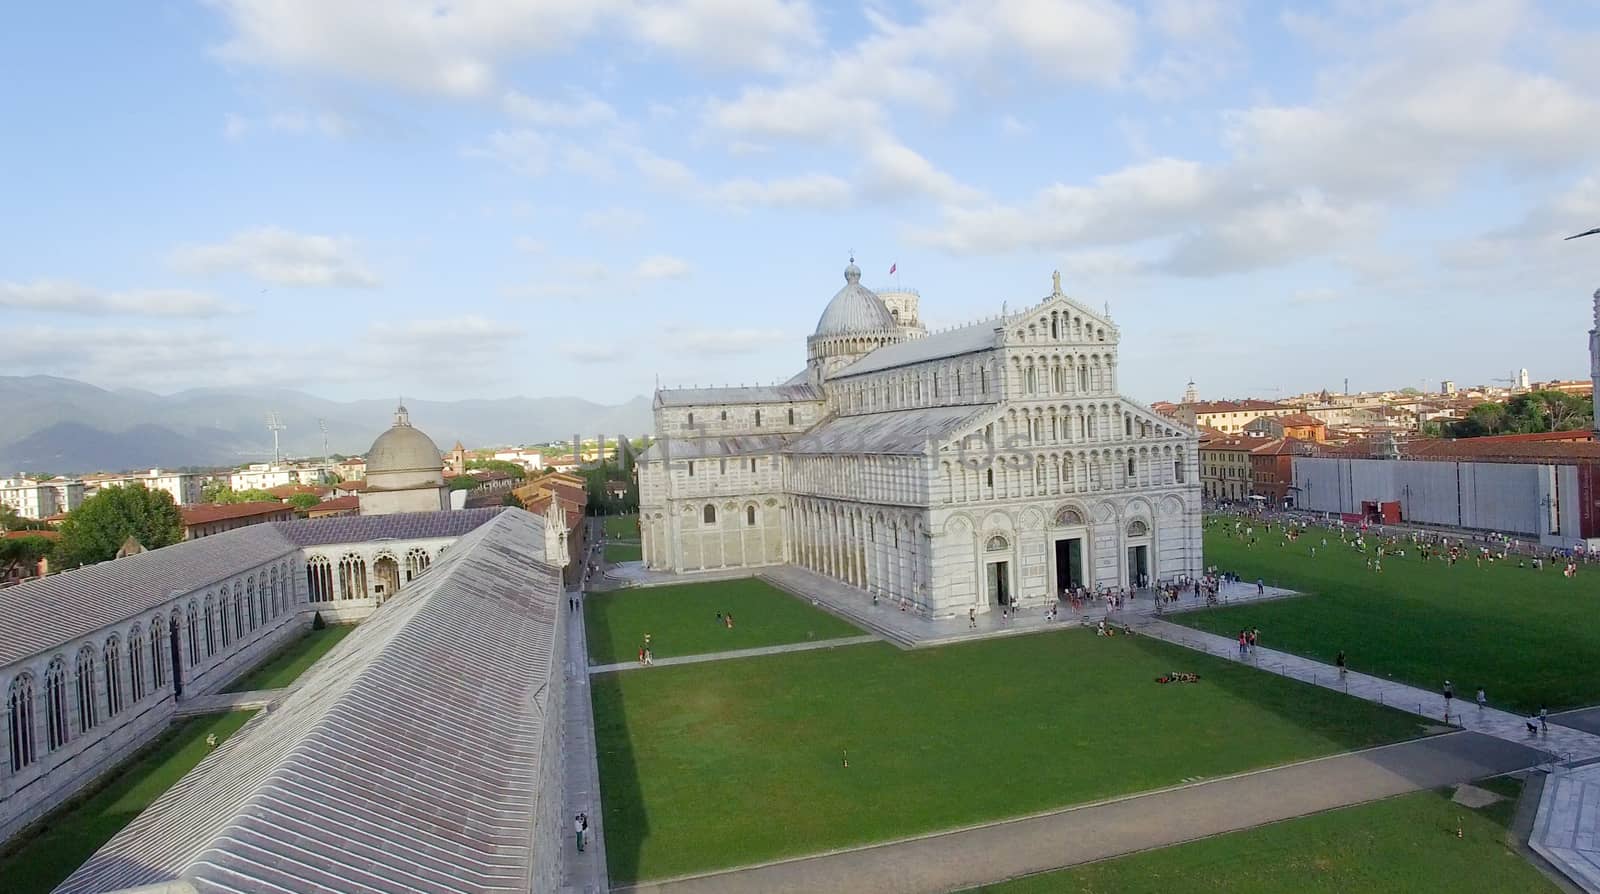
point(1268, 234)
point(596, 352)
point(529, 245)
point(726, 341)
point(327, 124)
point(663, 267)
point(281, 257)
point(894, 170)
point(1011, 126)
point(581, 111)
point(614, 221)
point(804, 191)
point(60, 296)
point(523, 151)
point(746, 34)
point(1195, 20)
point(479, 330)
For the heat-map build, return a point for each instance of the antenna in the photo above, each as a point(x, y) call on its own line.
point(323, 424)
point(275, 425)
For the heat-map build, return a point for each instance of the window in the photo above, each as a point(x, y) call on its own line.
point(136, 687)
point(1130, 467)
point(319, 579)
point(1177, 470)
point(758, 419)
point(724, 415)
point(194, 634)
point(353, 577)
point(238, 608)
point(250, 601)
point(88, 717)
point(691, 420)
point(750, 516)
point(791, 415)
point(19, 721)
point(709, 514)
point(55, 703)
point(158, 655)
point(691, 468)
point(722, 467)
point(112, 655)
point(211, 627)
point(988, 477)
point(226, 618)
point(752, 464)
point(416, 562)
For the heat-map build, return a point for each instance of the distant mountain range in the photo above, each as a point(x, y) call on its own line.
point(64, 426)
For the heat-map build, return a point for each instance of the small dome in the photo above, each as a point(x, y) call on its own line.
point(854, 308)
point(403, 449)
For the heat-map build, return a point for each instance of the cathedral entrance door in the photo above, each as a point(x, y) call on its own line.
point(999, 579)
point(388, 573)
point(1069, 564)
point(1138, 564)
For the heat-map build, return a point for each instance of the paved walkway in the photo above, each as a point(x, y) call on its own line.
point(228, 701)
point(1564, 743)
point(634, 574)
point(911, 630)
point(1565, 829)
point(736, 653)
point(581, 872)
point(955, 861)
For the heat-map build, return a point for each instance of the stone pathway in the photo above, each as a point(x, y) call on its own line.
point(581, 872)
point(1564, 743)
point(911, 630)
point(736, 653)
point(1564, 831)
point(955, 861)
point(229, 701)
point(634, 574)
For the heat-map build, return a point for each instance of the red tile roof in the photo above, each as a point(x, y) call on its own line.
point(337, 504)
point(18, 535)
point(206, 513)
point(1231, 406)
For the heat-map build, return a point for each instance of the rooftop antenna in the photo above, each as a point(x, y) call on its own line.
point(275, 425)
point(323, 424)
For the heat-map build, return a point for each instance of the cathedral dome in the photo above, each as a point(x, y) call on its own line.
point(403, 449)
point(855, 308)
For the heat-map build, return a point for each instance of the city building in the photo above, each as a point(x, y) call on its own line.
point(405, 472)
point(456, 460)
point(41, 499)
point(1225, 467)
point(1272, 470)
point(183, 487)
point(1229, 416)
point(351, 469)
point(570, 500)
point(1294, 425)
point(265, 476)
point(337, 506)
point(990, 465)
point(207, 519)
point(95, 663)
point(532, 460)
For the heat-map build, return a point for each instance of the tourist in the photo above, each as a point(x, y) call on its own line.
point(972, 619)
point(719, 619)
point(1261, 587)
point(1255, 638)
point(577, 826)
point(1339, 662)
point(1244, 642)
point(729, 619)
point(1544, 719)
point(1483, 699)
point(1449, 693)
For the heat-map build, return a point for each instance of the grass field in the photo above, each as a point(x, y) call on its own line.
point(711, 765)
point(288, 663)
point(682, 620)
point(623, 552)
point(1527, 637)
point(622, 527)
point(1401, 844)
point(54, 848)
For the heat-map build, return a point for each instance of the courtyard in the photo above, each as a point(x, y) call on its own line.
point(726, 763)
point(1527, 637)
point(1406, 843)
point(284, 666)
point(684, 620)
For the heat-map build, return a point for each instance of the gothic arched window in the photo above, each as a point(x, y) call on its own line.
point(55, 703)
point(136, 680)
point(750, 516)
point(709, 514)
point(19, 721)
point(211, 625)
point(194, 634)
point(226, 617)
point(997, 543)
point(88, 717)
point(158, 655)
point(112, 657)
point(319, 579)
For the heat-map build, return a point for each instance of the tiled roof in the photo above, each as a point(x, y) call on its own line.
point(400, 526)
point(1230, 406)
point(1298, 419)
point(45, 613)
point(712, 448)
point(760, 394)
point(337, 504)
point(206, 513)
point(18, 535)
point(902, 432)
point(968, 339)
point(407, 760)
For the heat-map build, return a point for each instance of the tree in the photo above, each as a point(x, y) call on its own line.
point(11, 521)
point(1535, 411)
point(23, 551)
point(303, 502)
point(219, 492)
point(96, 530)
point(499, 465)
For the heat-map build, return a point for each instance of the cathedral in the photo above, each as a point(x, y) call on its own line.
point(992, 465)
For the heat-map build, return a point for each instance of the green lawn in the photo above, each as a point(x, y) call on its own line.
point(288, 663)
point(622, 527)
point(1402, 844)
point(622, 552)
point(1528, 637)
point(53, 848)
point(711, 765)
point(682, 620)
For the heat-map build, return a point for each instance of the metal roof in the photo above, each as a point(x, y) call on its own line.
point(702, 448)
point(43, 614)
point(399, 526)
point(755, 394)
point(855, 309)
point(967, 339)
point(408, 759)
point(904, 432)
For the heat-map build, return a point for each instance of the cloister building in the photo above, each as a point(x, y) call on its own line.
point(991, 464)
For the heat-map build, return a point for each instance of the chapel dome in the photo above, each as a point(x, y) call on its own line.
point(403, 449)
point(854, 308)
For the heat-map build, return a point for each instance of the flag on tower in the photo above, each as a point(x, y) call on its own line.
point(892, 268)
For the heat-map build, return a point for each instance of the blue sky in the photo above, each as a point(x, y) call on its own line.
point(464, 198)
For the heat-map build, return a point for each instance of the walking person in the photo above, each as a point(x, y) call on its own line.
point(1339, 662)
point(577, 827)
point(972, 619)
point(1483, 699)
point(1544, 719)
point(1449, 693)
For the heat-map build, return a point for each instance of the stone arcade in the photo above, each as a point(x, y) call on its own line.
point(986, 465)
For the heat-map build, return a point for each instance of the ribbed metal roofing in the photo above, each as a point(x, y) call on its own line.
point(42, 614)
point(45, 613)
point(902, 432)
point(400, 526)
point(702, 448)
point(968, 339)
point(855, 308)
point(407, 761)
point(758, 394)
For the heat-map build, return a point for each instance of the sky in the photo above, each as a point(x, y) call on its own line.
point(484, 198)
